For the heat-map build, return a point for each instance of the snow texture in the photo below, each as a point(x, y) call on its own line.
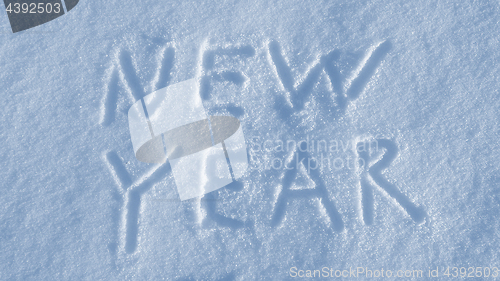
point(416, 79)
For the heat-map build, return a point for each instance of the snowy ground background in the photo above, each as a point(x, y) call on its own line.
point(70, 182)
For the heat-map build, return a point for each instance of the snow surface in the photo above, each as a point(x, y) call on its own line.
point(75, 204)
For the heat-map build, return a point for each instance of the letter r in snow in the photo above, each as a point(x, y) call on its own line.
point(375, 172)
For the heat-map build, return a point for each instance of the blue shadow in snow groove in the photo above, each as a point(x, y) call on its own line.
point(319, 191)
point(417, 214)
point(134, 206)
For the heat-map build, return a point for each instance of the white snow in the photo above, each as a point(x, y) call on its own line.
point(75, 203)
